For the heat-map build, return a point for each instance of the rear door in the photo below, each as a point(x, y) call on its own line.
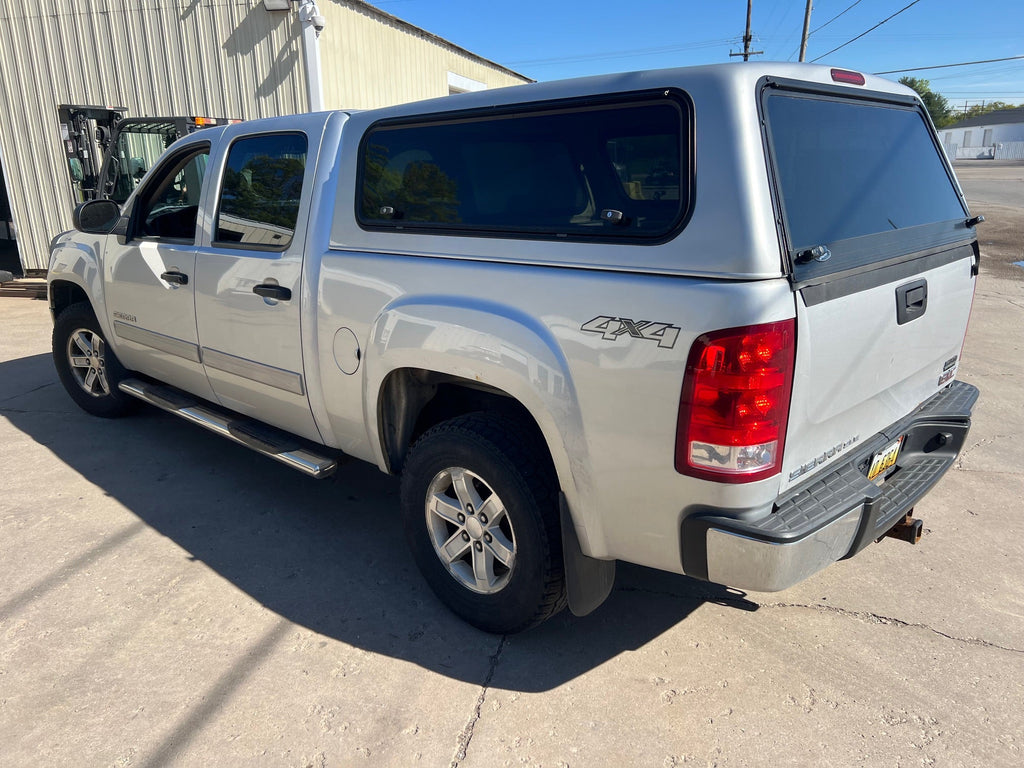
point(249, 274)
point(882, 256)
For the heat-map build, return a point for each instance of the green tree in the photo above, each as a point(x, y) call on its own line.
point(977, 110)
point(266, 189)
point(428, 194)
point(936, 103)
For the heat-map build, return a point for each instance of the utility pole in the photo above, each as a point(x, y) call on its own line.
point(807, 27)
point(747, 53)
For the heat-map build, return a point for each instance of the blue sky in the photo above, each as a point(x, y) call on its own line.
point(552, 39)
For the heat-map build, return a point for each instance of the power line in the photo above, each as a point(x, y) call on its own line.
point(776, 31)
point(801, 49)
point(858, 37)
point(945, 66)
point(622, 54)
point(848, 8)
point(774, 21)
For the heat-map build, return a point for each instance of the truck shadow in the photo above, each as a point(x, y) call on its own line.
point(326, 555)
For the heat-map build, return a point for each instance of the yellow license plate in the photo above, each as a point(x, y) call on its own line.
point(885, 458)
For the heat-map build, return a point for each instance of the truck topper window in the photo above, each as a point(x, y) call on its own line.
point(259, 196)
point(859, 181)
point(609, 171)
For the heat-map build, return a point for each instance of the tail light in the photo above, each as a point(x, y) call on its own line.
point(735, 403)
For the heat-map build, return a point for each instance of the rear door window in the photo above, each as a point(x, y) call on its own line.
point(610, 171)
point(260, 193)
point(849, 170)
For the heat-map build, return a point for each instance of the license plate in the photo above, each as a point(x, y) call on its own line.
point(885, 458)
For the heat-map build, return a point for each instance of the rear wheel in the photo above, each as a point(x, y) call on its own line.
point(480, 508)
point(86, 365)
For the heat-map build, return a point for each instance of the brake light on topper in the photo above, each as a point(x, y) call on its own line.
point(734, 405)
point(847, 76)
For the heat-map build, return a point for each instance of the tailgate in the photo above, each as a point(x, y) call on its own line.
point(883, 258)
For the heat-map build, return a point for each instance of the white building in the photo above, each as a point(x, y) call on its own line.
point(997, 135)
point(217, 58)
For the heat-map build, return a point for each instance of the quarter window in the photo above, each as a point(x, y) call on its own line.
point(612, 171)
point(259, 197)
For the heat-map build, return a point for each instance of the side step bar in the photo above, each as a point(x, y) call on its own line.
point(252, 434)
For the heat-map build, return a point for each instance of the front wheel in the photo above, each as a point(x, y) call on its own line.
point(86, 365)
point(480, 508)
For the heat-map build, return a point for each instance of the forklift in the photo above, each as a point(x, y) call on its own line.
point(109, 153)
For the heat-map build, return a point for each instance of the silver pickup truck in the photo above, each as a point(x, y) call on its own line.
point(706, 320)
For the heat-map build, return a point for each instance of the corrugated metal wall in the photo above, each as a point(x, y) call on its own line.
point(370, 59)
point(218, 58)
point(1010, 150)
point(222, 58)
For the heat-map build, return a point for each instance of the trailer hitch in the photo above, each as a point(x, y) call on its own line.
point(908, 529)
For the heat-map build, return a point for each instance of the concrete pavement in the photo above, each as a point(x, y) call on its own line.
point(168, 598)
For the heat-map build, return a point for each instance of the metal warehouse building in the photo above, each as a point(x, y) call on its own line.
point(995, 135)
point(228, 58)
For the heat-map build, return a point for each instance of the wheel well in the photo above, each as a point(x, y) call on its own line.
point(414, 400)
point(63, 294)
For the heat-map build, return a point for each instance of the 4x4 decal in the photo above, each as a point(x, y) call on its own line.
point(612, 328)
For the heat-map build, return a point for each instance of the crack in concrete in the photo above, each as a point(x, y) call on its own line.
point(33, 410)
point(467, 733)
point(874, 618)
point(1007, 472)
point(981, 443)
point(743, 603)
point(28, 392)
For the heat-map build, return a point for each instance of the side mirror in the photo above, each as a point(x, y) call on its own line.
point(96, 217)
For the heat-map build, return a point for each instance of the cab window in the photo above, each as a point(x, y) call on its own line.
point(169, 205)
point(260, 192)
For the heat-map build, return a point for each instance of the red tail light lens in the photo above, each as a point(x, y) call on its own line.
point(735, 403)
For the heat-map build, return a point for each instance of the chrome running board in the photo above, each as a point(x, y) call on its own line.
point(252, 434)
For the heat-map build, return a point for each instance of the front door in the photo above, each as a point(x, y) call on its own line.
point(149, 274)
point(249, 282)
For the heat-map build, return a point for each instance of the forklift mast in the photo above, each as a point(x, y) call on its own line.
point(85, 135)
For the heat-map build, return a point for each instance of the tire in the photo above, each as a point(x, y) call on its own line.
point(480, 509)
point(87, 366)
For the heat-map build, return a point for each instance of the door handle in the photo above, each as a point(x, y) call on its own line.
point(911, 301)
point(178, 278)
point(271, 291)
